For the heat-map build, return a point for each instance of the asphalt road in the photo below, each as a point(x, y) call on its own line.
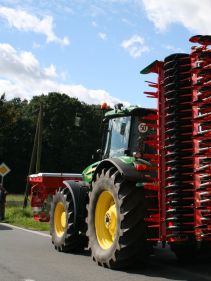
point(29, 256)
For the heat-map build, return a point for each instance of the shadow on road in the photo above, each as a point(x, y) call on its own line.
point(5, 227)
point(85, 253)
point(164, 265)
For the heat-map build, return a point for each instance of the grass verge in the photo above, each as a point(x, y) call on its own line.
point(15, 214)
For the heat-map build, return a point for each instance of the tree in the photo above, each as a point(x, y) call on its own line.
point(16, 137)
point(66, 148)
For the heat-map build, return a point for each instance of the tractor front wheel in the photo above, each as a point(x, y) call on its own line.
point(63, 228)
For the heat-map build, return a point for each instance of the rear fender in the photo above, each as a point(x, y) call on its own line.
point(127, 171)
point(79, 191)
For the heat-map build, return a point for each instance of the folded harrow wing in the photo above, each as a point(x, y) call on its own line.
point(184, 147)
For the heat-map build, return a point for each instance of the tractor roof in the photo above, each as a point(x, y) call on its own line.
point(125, 111)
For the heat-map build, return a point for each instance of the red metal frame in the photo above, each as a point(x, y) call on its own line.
point(157, 220)
point(201, 110)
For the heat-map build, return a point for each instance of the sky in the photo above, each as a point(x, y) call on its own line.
point(92, 49)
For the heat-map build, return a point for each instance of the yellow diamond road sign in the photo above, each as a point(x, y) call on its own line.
point(4, 169)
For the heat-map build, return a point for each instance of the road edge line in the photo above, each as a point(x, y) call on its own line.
point(27, 230)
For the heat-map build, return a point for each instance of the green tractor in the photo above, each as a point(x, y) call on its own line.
point(106, 210)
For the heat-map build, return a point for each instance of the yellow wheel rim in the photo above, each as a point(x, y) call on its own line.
point(60, 220)
point(105, 220)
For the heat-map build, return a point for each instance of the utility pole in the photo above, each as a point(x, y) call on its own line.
point(36, 153)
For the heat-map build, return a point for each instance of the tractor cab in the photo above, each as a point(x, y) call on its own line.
point(126, 130)
point(129, 137)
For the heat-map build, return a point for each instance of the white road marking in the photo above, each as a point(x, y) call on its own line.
point(27, 230)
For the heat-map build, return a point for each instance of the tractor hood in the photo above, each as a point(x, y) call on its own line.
point(89, 172)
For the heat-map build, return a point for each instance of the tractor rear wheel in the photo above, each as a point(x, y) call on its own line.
point(116, 227)
point(63, 228)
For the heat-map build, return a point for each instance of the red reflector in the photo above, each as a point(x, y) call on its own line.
point(141, 167)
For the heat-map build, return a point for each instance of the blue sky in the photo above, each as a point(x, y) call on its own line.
point(92, 49)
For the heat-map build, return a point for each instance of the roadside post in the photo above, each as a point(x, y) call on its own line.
point(4, 170)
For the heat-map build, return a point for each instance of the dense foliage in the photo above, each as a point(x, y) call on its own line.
point(65, 147)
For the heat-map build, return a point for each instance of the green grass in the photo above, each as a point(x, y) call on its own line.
point(16, 215)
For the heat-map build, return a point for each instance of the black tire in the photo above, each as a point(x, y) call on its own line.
point(129, 245)
point(70, 240)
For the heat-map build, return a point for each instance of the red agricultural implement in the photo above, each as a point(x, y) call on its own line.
point(43, 187)
point(153, 183)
